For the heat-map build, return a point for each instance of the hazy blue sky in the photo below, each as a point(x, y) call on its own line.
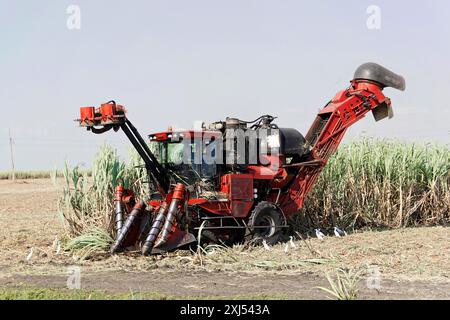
point(173, 62)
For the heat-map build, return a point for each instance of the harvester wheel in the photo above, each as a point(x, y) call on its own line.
point(267, 215)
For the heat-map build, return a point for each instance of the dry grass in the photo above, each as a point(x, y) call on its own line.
point(405, 254)
point(408, 254)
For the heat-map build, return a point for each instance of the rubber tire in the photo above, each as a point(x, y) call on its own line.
point(266, 212)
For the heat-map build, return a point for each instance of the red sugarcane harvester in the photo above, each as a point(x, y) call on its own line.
point(242, 196)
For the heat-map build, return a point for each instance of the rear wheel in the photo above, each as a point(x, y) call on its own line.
point(265, 223)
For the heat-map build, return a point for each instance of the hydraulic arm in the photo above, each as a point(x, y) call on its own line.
point(112, 116)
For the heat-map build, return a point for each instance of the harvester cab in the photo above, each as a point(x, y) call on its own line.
point(234, 180)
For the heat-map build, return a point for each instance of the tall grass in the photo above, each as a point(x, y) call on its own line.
point(86, 203)
point(381, 183)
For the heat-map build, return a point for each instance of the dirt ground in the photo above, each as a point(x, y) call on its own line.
point(413, 263)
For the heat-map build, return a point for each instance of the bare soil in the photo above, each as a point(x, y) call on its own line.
point(414, 263)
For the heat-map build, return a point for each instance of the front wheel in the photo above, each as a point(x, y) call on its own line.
point(265, 223)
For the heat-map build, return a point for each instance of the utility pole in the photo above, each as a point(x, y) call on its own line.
point(13, 174)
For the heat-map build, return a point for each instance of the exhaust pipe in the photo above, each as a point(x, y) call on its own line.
point(155, 230)
point(177, 197)
point(133, 218)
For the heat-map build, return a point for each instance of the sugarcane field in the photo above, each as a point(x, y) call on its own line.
point(224, 151)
